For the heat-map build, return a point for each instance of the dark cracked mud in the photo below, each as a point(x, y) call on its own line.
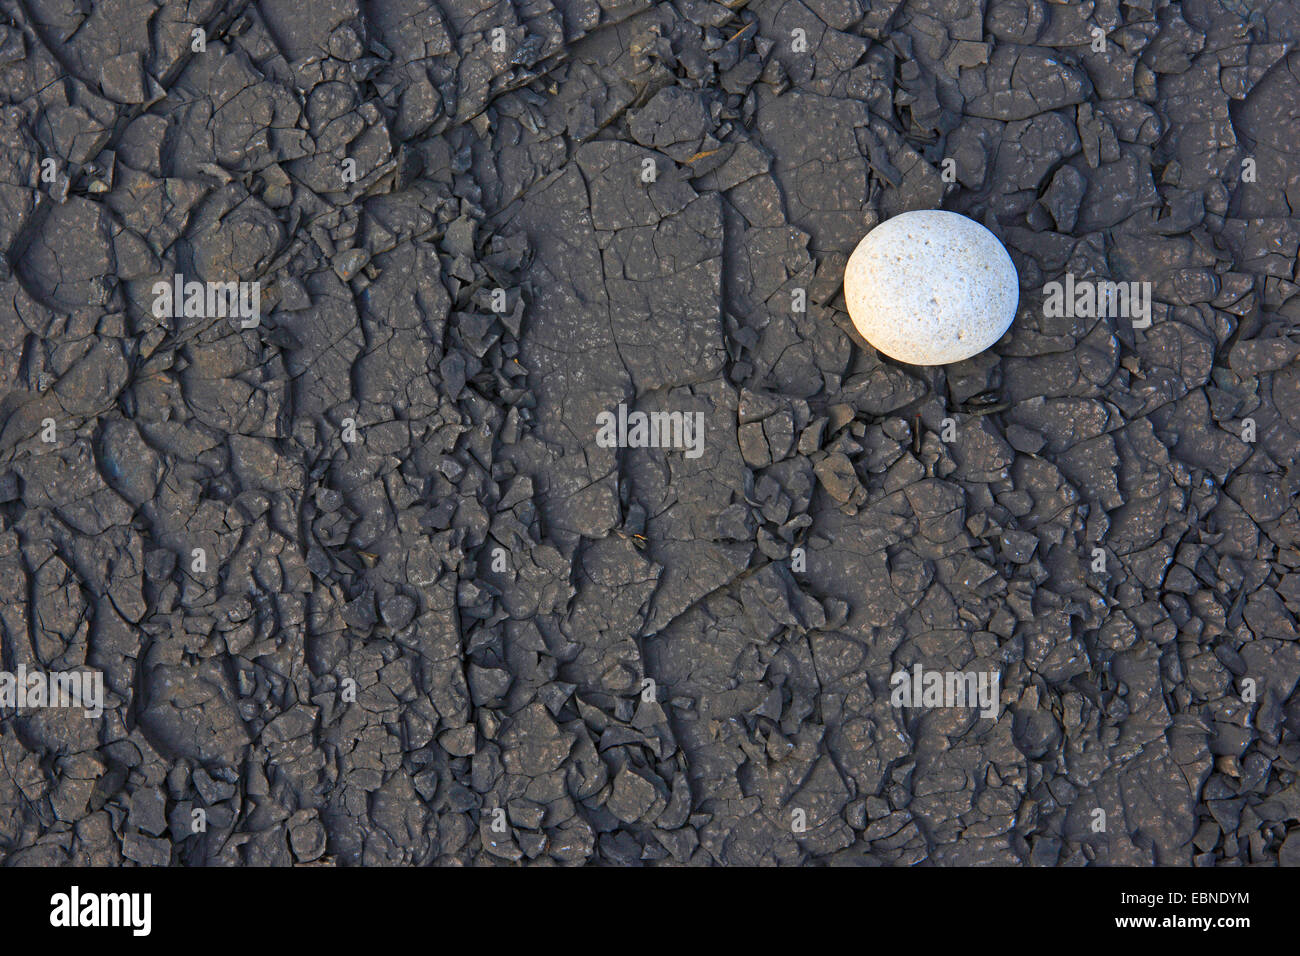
point(362, 584)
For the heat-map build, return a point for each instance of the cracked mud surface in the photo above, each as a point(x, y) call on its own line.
point(640, 656)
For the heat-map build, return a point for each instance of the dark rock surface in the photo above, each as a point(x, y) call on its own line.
point(362, 584)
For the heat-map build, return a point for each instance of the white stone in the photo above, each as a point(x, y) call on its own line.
point(931, 287)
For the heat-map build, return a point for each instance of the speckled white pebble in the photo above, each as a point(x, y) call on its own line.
point(931, 287)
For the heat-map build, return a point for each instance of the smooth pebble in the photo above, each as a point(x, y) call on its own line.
point(931, 287)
